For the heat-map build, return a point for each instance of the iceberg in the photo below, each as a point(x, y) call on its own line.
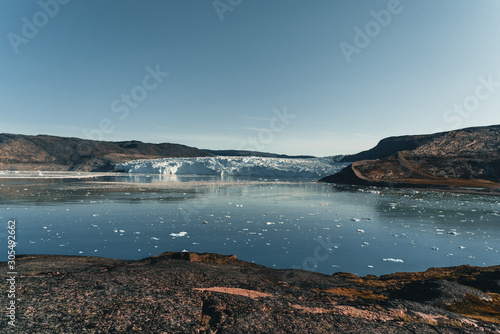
point(236, 166)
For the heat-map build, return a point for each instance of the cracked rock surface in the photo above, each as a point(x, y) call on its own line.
point(210, 293)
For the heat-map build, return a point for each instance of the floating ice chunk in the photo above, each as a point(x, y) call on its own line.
point(269, 223)
point(180, 234)
point(155, 238)
point(369, 266)
point(390, 259)
point(121, 231)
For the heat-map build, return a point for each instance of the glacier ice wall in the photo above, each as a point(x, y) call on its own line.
point(237, 166)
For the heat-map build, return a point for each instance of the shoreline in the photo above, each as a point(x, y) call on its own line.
point(350, 175)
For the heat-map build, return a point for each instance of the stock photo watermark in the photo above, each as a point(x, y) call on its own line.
point(223, 6)
point(31, 26)
point(11, 272)
point(122, 105)
point(463, 110)
point(373, 28)
point(265, 136)
point(192, 209)
point(321, 253)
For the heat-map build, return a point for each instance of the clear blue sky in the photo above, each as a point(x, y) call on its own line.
point(83, 70)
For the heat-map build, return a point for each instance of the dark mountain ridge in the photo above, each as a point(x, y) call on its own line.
point(391, 145)
point(52, 153)
point(243, 153)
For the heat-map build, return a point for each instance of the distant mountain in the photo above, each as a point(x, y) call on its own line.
point(243, 153)
point(462, 158)
point(22, 152)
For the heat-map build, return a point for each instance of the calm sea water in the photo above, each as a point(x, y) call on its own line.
point(284, 223)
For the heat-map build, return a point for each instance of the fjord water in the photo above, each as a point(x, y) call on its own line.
point(282, 223)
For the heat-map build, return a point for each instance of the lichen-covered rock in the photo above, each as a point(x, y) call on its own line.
point(211, 293)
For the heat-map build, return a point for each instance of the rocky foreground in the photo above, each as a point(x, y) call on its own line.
point(467, 158)
point(209, 293)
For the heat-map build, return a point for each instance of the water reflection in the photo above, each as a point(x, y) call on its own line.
point(271, 222)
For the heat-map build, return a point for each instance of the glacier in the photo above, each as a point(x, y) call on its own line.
point(236, 166)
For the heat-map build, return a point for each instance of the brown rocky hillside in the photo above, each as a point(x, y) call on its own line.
point(461, 158)
point(50, 153)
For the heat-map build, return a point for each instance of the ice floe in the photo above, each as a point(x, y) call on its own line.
point(180, 234)
point(390, 259)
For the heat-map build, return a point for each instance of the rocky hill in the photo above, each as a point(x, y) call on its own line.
point(390, 146)
point(462, 158)
point(51, 153)
point(210, 293)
